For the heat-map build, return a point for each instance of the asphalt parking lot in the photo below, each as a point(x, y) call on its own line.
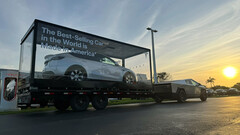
point(216, 116)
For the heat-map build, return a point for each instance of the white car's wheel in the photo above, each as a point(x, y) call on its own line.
point(129, 78)
point(76, 73)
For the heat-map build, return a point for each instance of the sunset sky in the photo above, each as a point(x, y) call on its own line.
point(195, 39)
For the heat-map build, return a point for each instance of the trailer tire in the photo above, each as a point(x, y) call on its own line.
point(79, 103)
point(99, 102)
point(181, 96)
point(61, 105)
point(203, 95)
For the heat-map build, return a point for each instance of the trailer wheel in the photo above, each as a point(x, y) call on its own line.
point(76, 73)
point(203, 95)
point(181, 97)
point(61, 105)
point(79, 103)
point(99, 102)
point(129, 78)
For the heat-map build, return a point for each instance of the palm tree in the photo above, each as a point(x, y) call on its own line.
point(211, 81)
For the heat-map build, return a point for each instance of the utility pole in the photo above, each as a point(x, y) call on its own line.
point(153, 53)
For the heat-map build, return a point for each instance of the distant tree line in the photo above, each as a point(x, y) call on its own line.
point(237, 85)
point(219, 87)
point(211, 81)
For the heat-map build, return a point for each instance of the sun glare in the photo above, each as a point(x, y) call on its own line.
point(230, 72)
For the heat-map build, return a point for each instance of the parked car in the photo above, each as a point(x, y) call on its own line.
point(233, 91)
point(211, 92)
point(180, 90)
point(221, 92)
point(79, 67)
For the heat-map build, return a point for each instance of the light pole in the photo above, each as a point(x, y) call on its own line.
point(153, 53)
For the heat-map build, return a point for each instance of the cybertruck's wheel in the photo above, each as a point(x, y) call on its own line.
point(181, 97)
point(99, 102)
point(61, 105)
point(129, 78)
point(76, 73)
point(203, 96)
point(79, 103)
point(158, 99)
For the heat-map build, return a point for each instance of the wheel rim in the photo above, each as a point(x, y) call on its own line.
point(157, 99)
point(204, 95)
point(129, 79)
point(182, 97)
point(80, 101)
point(77, 75)
point(101, 100)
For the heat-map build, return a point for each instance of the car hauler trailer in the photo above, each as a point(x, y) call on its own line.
point(74, 68)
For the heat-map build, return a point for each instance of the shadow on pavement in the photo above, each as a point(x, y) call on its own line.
point(91, 112)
